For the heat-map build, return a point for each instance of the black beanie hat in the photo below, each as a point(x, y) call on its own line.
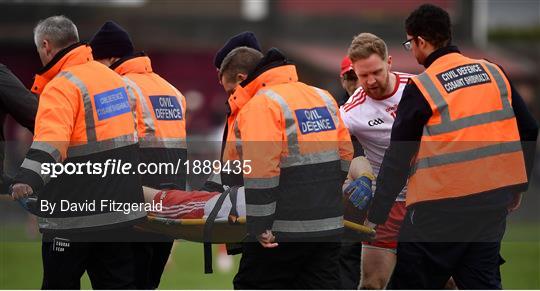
point(111, 40)
point(246, 38)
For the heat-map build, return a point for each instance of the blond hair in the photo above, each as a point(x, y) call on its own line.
point(365, 44)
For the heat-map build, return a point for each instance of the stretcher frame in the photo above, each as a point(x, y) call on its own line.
point(223, 230)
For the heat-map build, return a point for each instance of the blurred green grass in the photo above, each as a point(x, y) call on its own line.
point(521, 250)
point(20, 263)
point(20, 268)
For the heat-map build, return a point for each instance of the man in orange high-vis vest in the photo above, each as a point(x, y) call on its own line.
point(161, 126)
point(84, 122)
point(296, 151)
point(465, 140)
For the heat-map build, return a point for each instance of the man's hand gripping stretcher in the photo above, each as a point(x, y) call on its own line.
point(184, 214)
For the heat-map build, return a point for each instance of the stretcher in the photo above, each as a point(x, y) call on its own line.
point(222, 232)
point(215, 217)
point(222, 219)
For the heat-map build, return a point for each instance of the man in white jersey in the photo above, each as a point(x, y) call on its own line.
point(369, 115)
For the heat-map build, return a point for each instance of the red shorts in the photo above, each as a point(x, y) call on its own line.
point(387, 233)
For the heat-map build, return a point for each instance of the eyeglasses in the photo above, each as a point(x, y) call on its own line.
point(407, 45)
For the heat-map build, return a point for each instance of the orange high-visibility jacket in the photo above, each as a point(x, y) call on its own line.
point(84, 116)
point(471, 144)
point(296, 151)
point(161, 119)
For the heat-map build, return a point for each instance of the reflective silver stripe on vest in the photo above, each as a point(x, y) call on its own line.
point(45, 147)
point(261, 183)
point(260, 210)
point(148, 121)
point(469, 155)
point(238, 138)
point(441, 104)
point(345, 165)
point(111, 218)
point(308, 225)
point(290, 123)
point(157, 142)
point(132, 103)
point(448, 125)
point(36, 168)
point(309, 159)
point(132, 97)
point(499, 80)
point(294, 158)
point(88, 109)
point(150, 140)
point(461, 123)
point(330, 104)
point(101, 146)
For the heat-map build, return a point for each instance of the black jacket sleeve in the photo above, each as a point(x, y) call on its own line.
point(412, 114)
point(357, 147)
point(527, 127)
point(16, 99)
point(528, 130)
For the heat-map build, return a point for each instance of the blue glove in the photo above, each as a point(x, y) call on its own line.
point(28, 203)
point(359, 192)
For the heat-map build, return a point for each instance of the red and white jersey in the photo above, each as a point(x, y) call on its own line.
point(370, 121)
point(180, 204)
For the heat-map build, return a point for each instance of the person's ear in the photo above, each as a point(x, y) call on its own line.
point(46, 45)
point(49, 49)
point(389, 61)
point(220, 77)
point(422, 43)
point(240, 77)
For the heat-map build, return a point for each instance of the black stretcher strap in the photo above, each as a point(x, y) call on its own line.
point(233, 214)
point(234, 248)
point(207, 232)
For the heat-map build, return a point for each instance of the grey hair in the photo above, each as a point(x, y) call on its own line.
point(59, 30)
point(240, 60)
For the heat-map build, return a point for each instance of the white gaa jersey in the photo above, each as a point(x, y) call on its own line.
point(370, 121)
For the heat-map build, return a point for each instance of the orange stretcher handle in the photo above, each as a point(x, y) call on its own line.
point(242, 220)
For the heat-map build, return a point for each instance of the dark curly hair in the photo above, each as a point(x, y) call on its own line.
point(432, 23)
